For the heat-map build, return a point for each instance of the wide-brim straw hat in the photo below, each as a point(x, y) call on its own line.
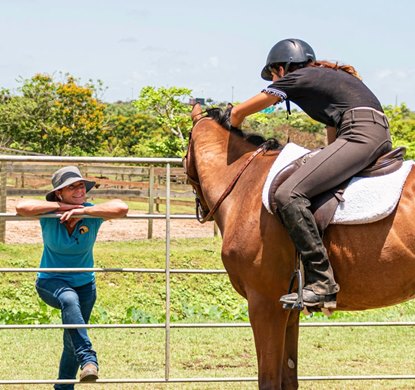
point(64, 177)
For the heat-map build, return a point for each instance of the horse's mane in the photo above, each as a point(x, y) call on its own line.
point(222, 117)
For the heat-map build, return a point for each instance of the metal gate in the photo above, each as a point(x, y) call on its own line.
point(167, 271)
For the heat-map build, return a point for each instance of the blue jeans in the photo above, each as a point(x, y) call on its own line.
point(76, 304)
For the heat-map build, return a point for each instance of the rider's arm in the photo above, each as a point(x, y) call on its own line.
point(251, 106)
point(331, 134)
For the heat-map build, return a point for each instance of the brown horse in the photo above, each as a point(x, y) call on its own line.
point(373, 263)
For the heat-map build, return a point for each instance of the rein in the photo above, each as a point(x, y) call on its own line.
point(229, 189)
point(204, 215)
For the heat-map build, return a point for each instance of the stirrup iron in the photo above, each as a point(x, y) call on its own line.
point(299, 303)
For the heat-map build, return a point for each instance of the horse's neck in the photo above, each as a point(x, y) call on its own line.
point(220, 158)
point(220, 154)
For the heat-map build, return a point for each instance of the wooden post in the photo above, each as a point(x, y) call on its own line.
point(150, 202)
point(3, 198)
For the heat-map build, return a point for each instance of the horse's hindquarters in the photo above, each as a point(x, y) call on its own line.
point(375, 263)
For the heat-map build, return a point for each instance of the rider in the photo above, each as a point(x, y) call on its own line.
point(357, 134)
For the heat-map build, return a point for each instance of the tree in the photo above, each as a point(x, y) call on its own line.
point(128, 132)
point(172, 114)
point(402, 127)
point(58, 118)
point(298, 127)
point(79, 118)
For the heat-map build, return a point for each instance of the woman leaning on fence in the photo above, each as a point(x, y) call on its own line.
point(68, 243)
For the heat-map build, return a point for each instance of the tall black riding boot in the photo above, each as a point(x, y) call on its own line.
point(320, 288)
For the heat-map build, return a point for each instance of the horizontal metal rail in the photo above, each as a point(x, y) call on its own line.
point(356, 377)
point(210, 380)
point(13, 216)
point(128, 326)
point(124, 380)
point(132, 160)
point(202, 325)
point(142, 270)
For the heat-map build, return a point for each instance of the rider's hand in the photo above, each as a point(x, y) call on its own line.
point(227, 113)
point(227, 118)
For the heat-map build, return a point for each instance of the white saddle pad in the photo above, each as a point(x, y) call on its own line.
point(366, 199)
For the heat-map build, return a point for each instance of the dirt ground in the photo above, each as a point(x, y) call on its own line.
point(19, 232)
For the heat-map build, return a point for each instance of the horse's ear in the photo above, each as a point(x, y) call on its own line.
point(196, 112)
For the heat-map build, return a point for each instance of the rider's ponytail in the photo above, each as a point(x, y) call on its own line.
point(346, 68)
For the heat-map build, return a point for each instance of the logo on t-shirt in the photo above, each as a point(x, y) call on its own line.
point(83, 229)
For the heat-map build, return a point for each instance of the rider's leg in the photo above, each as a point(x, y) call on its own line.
point(330, 167)
point(320, 286)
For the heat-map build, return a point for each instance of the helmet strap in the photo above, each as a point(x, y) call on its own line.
point(288, 105)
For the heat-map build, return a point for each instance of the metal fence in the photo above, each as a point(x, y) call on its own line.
point(167, 271)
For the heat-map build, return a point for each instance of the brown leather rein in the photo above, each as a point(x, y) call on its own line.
point(202, 214)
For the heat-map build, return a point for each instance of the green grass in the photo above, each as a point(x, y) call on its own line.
point(133, 353)
point(200, 297)
point(136, 353)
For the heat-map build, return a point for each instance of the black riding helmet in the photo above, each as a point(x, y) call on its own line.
point(288, 51)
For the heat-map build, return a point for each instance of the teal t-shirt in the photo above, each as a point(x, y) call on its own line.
point(61, 250)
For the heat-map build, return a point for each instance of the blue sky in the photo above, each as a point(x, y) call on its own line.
point(216, 48)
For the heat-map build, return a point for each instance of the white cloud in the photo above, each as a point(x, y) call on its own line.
point(134, 78)
point(154, 49)
point(383, 74)
point(400, 74)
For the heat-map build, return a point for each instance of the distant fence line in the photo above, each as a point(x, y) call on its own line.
point(122, 173)
point(23, 175)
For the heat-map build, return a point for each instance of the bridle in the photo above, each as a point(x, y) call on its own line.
point(203, 213)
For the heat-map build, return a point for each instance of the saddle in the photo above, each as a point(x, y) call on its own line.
point(324, 205)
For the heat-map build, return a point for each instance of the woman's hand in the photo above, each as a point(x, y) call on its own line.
point(115, 208)
point(68, 215)
point(66, 206)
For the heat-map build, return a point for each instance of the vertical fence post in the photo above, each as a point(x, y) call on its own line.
point(167, 338)
point(150, 202)
point(3, 198)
